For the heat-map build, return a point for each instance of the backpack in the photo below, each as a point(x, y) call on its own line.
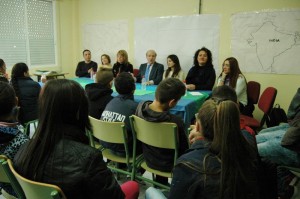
point(276, 116)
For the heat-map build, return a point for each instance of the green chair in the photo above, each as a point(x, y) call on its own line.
point(112, 132)
point(161, 135)
point(27, 126)
point(6, 176)
point(37, 190)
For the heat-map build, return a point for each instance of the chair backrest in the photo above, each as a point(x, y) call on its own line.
point(253, 91)
point(113, 132)
point(7, 176)
point(162, 135)
point(37, 190)
point(266, 102)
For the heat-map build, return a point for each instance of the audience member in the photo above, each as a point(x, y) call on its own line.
point(87, 67)
point(202, 75)
point(220, 164)
point(27, 92)
point(152, 71)
point(11, 138)
point(119, 109)
point(122, 64)
point(232, 76)
point(59, 152)
point(3, 74)
point(105, 61)
point(99, 93)
point(167, 94)
point(174, 68)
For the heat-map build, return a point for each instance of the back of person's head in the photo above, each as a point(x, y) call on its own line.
point(209, 57)
point(63, 105)
point(236, 154)
point(7, 100)
point(206, 118)
point(124, 83)
point(19, 70)
point(224, 92)
point(169, 89)
point(104, 76)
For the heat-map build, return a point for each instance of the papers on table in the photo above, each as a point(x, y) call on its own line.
point(195, 93)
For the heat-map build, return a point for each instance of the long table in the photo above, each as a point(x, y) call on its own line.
point(186, 107)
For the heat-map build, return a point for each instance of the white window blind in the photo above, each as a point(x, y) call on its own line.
point(27, 32)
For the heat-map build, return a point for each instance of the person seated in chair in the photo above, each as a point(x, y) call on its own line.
point(152, 71)
point(167, 94)
point(11, 138)
point(60, 153)
point(119, 109)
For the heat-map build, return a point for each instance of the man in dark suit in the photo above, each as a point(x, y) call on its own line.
point(152, 71)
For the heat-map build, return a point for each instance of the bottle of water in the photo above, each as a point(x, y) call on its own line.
point(144, 83)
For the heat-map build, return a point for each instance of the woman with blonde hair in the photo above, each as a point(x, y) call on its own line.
point(122, 64)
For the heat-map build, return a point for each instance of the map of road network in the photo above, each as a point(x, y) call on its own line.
point(267, 42)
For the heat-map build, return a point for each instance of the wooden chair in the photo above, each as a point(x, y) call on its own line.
point(162, 135)
point(265, 104)
point(37, 190)
point(112, 132)
point(6, 176)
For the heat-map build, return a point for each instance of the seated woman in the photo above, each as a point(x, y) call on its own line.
point(122, 64)
point(202, 75)
point(3, 74)
point(105, 61)
point(27, 92)
point(221, 164)
point(60, 154)
point(174, 68)
point(232, 76)
point(11, 138)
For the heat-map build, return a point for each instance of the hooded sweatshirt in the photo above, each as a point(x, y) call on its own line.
point(158, 158)
point(99, 96)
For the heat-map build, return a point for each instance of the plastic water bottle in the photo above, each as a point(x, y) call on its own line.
point(144, 83)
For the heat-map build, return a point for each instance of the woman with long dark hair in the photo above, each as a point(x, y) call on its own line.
point(3, 75)
point(27, 91)
point(221, 164)
point(232, 76)
point(174, 68)
point(59, 152)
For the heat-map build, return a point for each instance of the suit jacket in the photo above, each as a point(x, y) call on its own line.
point(156, 73)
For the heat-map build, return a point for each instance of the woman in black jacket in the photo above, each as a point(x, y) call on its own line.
point(27, 92)
point(59, 152)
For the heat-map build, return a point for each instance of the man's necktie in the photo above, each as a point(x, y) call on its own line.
point(147, 72)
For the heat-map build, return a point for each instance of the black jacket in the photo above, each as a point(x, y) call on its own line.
point(77, 168)
point(158, 158)
point(98, 96)
point(28, 99)
point(203, 77)
point(82, 68)
point(119, 68)
point(118, 110)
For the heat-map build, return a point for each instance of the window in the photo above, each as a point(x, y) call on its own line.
point(27, 32)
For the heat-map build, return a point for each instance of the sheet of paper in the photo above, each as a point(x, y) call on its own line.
point(195, 93)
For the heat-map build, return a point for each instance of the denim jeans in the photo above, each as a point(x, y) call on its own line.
point(269, 146)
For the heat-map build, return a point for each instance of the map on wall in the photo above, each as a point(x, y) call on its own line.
point(105, 38)
point(267, 42)
point(179, 35)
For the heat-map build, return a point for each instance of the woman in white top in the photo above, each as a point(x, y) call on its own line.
point(232, 76)
point(174, 69)
point(105, 60)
